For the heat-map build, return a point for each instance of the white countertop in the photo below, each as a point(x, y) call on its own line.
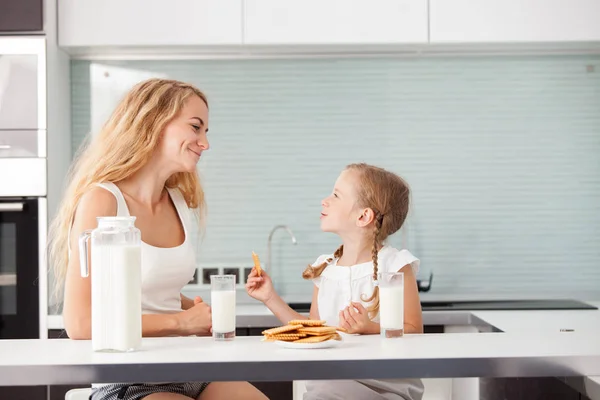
point(520, 322)
point(542, 321)
point(64, 361)
point(548, 322)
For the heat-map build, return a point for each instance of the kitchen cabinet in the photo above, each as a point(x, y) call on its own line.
point(23, 392)
point(514, 21)
point(19, 93)
point(308, 22)
point(21, 16)
point(149, 23)
point(214, 25)
point(22, 83)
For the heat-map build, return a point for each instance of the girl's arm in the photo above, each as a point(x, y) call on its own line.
point(413, 316)
point(355, 318)
point(285, 313)
point(314, 305)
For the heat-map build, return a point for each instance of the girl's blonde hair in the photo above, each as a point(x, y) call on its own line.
point(123, 146)
point(388, 196)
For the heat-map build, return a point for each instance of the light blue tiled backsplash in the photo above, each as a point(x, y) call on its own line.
point(502, 154)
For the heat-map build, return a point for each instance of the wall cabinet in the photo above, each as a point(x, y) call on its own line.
point(149, 22)
point(217, 25)
point(514, 21)
point(335, 21)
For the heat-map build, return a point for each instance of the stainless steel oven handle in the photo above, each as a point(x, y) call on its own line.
point(11, 206)
point(8, 279)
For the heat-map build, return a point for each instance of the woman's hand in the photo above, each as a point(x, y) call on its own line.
point(355, 319)
point(197, 320)
point(260, 287)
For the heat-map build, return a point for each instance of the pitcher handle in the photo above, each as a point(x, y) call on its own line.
point(84, 252)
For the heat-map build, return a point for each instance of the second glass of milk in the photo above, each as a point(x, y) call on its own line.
point(391, 304)
point(222, 296)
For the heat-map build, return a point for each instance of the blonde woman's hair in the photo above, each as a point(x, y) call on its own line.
point(123, 146)
point(388, 195)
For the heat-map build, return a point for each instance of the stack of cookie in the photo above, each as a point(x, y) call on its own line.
point(302, 331)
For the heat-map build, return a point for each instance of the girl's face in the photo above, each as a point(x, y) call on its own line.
point(340, 212)
point(184, 138)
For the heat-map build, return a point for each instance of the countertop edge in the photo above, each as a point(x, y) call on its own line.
point(262, 320)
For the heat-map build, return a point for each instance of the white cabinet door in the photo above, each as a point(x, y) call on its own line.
point(495, 21)
point(149, 22)
point(335, 21)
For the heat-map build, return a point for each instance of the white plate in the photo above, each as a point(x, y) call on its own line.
point(319, 345)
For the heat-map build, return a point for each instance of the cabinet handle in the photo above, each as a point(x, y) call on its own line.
point(11, 206)
point(8, 279)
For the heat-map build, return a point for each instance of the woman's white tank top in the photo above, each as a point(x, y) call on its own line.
point(165, 270)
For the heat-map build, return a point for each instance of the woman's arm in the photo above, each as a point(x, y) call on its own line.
point(186, 302)
point(77, 308)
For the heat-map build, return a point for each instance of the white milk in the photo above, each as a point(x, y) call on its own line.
point(223, 310)
point(391, 307)
point(116, 298)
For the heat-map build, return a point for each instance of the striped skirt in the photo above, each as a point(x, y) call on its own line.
point(137, 391)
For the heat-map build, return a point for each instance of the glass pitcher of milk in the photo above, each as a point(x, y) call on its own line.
point(116, 283)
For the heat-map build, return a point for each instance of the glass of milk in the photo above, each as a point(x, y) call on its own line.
point(222, 295)
point(391, 304)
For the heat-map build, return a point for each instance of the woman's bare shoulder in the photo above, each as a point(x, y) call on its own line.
point(96, 202)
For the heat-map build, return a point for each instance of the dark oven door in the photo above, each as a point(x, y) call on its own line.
point(19, 258)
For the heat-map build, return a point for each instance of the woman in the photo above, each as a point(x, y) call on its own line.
point(143, 164)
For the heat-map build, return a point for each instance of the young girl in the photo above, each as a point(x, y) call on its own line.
point(367, 205)
point(143, 163)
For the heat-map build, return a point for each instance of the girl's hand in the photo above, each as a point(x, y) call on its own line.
point(260, 287)
point(355, 319)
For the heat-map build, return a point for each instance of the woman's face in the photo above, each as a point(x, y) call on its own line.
point(184, 138)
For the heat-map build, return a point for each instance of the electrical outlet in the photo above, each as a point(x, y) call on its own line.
point(194, 280)
point(206, 273)
point(246, 273)
point(233, 271)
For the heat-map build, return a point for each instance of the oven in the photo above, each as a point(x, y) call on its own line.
point(19, 267)
point(23, 206)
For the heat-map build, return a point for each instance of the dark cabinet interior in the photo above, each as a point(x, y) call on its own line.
point(21, 16)
point(23, 392)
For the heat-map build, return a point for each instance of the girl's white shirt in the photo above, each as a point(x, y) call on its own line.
point(340, 285)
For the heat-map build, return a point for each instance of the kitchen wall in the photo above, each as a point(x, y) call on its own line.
point(501, 153)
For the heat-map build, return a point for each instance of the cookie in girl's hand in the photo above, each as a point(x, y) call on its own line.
point(257, 263)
